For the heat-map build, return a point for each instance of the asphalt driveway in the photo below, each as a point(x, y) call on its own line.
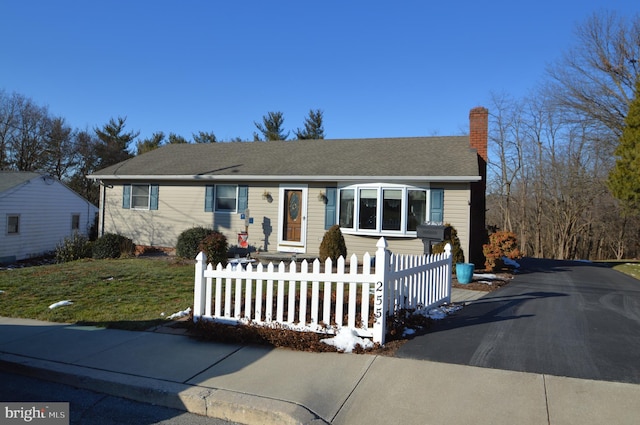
point(562, 318)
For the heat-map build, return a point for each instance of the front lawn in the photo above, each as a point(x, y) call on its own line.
point(630, 268)
point(141, 293)
point(131, 293)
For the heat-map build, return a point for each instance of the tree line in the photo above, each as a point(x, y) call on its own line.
point(564, 168)
point(33, 139)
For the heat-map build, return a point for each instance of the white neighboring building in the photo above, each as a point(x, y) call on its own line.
point(36, 213)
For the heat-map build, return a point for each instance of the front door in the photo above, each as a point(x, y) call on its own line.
point(293, 211)
point(292, 225)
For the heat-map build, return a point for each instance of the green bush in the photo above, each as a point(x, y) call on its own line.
point(72, 248)
point(333, 245)
point(111, 245)
point(456, 250)
point(215, 246)
point(189, 241)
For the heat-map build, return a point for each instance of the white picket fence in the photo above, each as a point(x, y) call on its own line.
point(313, 300)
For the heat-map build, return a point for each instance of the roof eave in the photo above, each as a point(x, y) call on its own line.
point(209, 177)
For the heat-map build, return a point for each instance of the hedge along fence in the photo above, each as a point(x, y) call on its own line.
point(315, 300)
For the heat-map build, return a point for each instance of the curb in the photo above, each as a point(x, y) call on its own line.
point(210, 402)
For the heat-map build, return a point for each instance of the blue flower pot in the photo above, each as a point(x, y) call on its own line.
point(464, 272)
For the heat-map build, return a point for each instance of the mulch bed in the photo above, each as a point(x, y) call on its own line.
point(486, 281)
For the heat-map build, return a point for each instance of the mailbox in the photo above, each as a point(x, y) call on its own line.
point(432, 233)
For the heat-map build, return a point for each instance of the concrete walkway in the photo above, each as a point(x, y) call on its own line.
point(259, 385)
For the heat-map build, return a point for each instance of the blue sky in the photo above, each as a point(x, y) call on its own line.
point(376, 68)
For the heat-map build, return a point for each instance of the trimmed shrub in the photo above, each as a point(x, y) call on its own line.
point(501, 244)
point(333, 245)
point(189, 241)
point(457, 254)
point(111, 245)
point(215, 246)
point(73, 248)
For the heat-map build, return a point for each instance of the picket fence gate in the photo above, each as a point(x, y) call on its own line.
point(382, 286)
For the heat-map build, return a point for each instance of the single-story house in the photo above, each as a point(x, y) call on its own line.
point(286, 194)
point(37, 212)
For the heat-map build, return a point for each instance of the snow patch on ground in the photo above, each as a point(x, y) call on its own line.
point(510, 262)
point(441, 312)
point(347, 339)
point(408, 331)
point(437, 313)
point(485, 276)
point(178, 315)
point(60, 304)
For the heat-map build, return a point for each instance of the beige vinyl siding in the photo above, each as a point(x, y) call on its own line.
point(263, 234)
point(315, 218)
point(456, 212)
point(181, 206)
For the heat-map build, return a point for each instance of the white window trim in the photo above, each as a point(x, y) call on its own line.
point(148, 207)
point(215, 199)
point(380, 187)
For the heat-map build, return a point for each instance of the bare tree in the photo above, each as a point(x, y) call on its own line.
point(595, 80)
point(26, 144)
point(61, 154)
point(87, 162)
point(8, 125)
point(506, 160)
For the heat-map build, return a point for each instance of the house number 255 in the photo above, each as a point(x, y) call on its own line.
point(378, 301)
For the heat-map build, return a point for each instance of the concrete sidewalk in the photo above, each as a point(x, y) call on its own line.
point(258, 385)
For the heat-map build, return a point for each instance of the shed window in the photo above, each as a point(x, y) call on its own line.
point(75, 222)
point(13, 224)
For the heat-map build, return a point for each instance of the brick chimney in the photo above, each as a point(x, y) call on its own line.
point(478, 128)
point(478, 138)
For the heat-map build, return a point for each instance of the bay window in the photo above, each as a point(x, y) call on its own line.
point(379, 209)
point(368, 209)
point(346, 208)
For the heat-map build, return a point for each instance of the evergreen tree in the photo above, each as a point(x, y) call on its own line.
point(154, 142)
point(113, 142)
point(313, 126)
point(624, 178)
point(175, 139)
point(204, 137)
point(271, 127)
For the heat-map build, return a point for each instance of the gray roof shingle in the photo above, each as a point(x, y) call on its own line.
point(415, 156)
point(9, 179)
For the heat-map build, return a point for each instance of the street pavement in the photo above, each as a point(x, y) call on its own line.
point(260, 385)
point(86, 407)
point(574, 319)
